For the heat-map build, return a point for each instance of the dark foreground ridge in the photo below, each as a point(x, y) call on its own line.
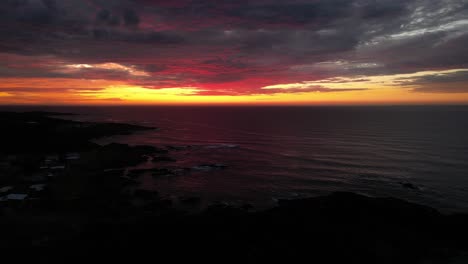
point(62, 194)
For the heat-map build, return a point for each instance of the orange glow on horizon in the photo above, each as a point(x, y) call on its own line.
point(372, 90)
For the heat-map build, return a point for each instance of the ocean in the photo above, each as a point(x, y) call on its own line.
point(262, 154)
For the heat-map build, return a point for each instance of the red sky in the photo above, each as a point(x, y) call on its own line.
point(233, 52)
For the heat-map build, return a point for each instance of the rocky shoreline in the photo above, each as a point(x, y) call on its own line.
point(58, 189)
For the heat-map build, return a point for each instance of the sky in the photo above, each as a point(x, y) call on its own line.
point(292, 52)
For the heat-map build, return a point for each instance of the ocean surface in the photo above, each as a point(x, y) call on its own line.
point(418, 153)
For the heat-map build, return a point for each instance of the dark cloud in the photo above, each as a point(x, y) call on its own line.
point(379, 9)
point(462, 88)
point(105, 17)
point(153, 68)
point(454, 82)
point(453, 77)
point(113, 35)
point(320, 12)
point(131, 18)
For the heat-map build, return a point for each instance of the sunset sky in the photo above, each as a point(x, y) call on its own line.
point(233, 52)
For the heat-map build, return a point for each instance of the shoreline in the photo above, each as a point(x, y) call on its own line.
point(80, 194)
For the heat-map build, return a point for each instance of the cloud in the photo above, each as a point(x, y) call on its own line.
point(235, 47)
point(130, 17)
point(280, 89)
point(317, 88)
point(19, 90)
point(438, 78)
point(461, 88)
point(451, 82)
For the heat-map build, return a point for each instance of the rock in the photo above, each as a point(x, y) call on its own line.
point(146, 194)
point(160, 151)
point(209, 167)
point(180, 171)
point(155, 172)
point(127, 181)
point(177, 148)
point(144, 149)
point(409, 185)
point(190, 200)
point(163, 159)
point(159, 204)
point(115, 156)
point(247, 207)
point(161, 172)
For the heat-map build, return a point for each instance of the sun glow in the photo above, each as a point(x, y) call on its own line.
point(387, 89)
point(141, 94)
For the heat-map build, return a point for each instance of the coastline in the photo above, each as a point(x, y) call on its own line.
point(91, 201)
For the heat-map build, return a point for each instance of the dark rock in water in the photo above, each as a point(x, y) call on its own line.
point(161, 172)
point(121, 148)
point(146, 194)
point(155, 172)
point(163, 159)
point(247, 207)
point(177, 148)
point(145, 149)
point(224, 211)
point(159, 204)
point(209, 167)
point(147, 199)
point(128, 181)
point(161, 151)
point(409, 185)
point(190, 200)
point(114, 156)
point(180, 171)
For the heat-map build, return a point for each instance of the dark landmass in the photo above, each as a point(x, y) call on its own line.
point(37, 132)
point(62, 194)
